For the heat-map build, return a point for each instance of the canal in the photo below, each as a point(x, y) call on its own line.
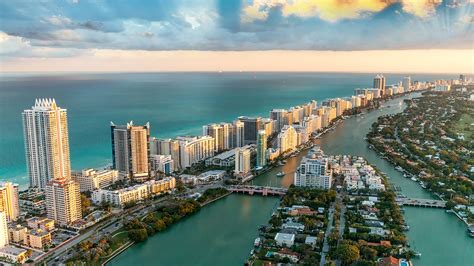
point(222, 233)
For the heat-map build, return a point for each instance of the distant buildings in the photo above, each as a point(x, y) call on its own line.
point(90, 179)
point(406, 83)
point(261, 149)
point(130, 150)
point(379, 83)
point(222, 134)
point(443, 87)
point(63, 201)
point(287, 139)
point(313, 171)
point(9, 203)
point(46, 142)
point(242, 162)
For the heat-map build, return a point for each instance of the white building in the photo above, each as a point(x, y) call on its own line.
point(287, 139)
point(90, 179)
point(46, 142)
point(195, 149)
point(242, 161)
point(135, 193)
point(3, 230)
point(284, 239)
point(162, 163)
point(313, 171)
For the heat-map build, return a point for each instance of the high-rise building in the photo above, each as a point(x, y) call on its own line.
point(9, 200)
point(3, 230)
point(279, 116)
point(287, 139)
point(406, 83)
point(313, 171)
point(238, 134)
point(251, 127)
point(379, 83)
point(242, 161)
point(194, 149)
point(222, 134)
point(162, 164)
point(261, 149)
point(46, 142)
point(63, 201)
point(130, 149)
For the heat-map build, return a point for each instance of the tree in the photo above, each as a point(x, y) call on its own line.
point(138, 235)
point(347, 253)
point(159, 225)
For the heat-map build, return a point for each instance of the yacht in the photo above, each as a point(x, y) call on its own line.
point(280, 174)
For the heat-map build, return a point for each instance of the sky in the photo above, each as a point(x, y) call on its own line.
point(237, 35)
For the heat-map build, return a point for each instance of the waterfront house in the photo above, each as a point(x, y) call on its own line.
point(285, 239)
point(293, 225)
point(311, 240)
point(388, 261)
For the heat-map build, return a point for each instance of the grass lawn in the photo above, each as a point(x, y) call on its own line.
point(464, 125)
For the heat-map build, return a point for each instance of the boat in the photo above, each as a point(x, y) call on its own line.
point(280, 174)
point(398, 168)
point(414, 179)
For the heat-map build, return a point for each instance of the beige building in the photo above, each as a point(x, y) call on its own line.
point(130, 150)
point(195, 149)
point(42, 223)
point(3, 230)
point(9, 200)
point(287, 139)
point(63, 201)
point(38, 239)
point(17, 233)
point(242, 161)
point(90, 179)
point(46, 142)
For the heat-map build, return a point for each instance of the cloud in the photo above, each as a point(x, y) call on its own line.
point(334, 10)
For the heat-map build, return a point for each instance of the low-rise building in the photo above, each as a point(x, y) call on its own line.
point(17, 233)
point(284, 239)
point(42, 223)
point(38, 239)
point(90, 179)
point(13, 254)
point(162, 164)
point(33, 202)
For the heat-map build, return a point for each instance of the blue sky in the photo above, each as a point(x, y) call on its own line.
point(69, 28)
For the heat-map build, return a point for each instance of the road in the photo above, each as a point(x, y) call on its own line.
point(326, 235)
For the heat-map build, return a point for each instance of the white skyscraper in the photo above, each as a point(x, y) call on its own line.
point(46, 142)
point(406, 83)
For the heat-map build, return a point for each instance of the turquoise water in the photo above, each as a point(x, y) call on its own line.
point(174, 104)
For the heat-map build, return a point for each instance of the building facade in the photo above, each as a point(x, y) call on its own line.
point(130, 149)
point(46, 142)
point(261, 149)
point(313, 171)
point(242, 161)
point(63, 201)
point(9, 202)
point(90, 179)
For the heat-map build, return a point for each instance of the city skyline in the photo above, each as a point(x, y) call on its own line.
point(260, 35)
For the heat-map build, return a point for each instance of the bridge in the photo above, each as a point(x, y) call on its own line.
point(422, 202)
point(264, 191)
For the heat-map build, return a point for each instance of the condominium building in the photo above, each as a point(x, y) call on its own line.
point(90, 179)
point(130, 150)
point(135, 193)
point(195, 149)
point(42, 223)
point(313, 171)
point(379, 83)
point(33, 202)
point(162, 164)
point(242, 161)
point(46, 142)
point(406, 83)
point(17, 233)
point(63, 201)
point(279, 116)
point(287, 139)
point(9, 200)
point(251, 127)
point(3, 230)
point(238, 134)
point(38, 238)
point(261, 149)
point(166, 147)
point(222, 134)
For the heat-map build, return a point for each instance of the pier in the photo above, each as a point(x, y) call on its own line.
point(429, 203)
point(261, 190)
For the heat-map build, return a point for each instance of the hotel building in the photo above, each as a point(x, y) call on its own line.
point(313, 171)
point(46, 142)
point(194, 149)
point(242, 161)
point(261, 149)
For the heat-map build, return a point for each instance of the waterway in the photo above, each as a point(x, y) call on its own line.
point(223, 232)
